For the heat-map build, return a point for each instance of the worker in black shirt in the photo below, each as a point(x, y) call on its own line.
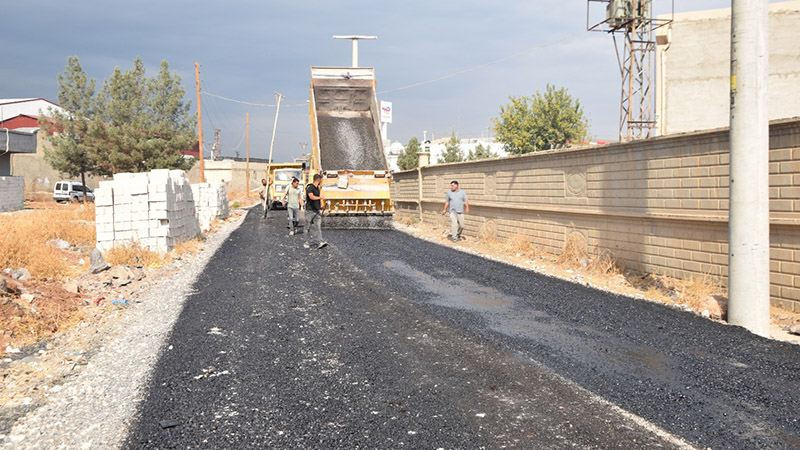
point(314, 209)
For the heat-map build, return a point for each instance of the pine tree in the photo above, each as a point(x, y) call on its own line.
point(452, 151)
point(409, 157)
point(143, 124)
point(68, 132)
point(481, 152)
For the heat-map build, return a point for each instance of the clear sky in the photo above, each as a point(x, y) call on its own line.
point(250, 49)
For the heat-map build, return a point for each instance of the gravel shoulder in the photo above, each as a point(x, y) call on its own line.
point(92, 409)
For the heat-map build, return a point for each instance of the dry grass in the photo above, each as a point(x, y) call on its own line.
point(606, 263)
point(23, 242)
point(135, 255)
point(521, 245)
point(191, 246)
point(696, 289)
point(574, 252)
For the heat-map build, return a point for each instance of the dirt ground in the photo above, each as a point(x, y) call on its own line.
point(702, 296)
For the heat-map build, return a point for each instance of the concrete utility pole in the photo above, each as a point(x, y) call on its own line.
point(247, 164)
point(355, 40)
point(199, 122)
point(748, 229)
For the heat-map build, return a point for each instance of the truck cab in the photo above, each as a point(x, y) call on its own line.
point(281, 180)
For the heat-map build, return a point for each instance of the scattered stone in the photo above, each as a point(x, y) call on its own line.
point(27, 297)
point(59, 244)
point(72, 286)
point(21, 274)
point(123, 275)
point(96, 262)
point(3, 285)
point(164, 424)
point(795, 329)
point(82, 262)
point(717, 306)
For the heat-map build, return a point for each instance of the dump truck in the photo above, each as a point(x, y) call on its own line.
point(281, 174)
point(347, 149)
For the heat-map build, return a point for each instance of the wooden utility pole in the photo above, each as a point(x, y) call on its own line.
point(199, 122)
point(247, 164)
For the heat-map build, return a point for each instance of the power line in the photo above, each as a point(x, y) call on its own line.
point(244, 102)
point(481, 66)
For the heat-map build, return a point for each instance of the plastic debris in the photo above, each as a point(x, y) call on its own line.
point(121, 302)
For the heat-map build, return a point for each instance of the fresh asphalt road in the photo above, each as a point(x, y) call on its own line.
point(383, 341)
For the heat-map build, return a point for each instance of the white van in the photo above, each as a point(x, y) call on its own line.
point(71, 191)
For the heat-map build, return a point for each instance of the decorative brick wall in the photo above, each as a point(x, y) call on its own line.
point(660, 205)
point(11, 193)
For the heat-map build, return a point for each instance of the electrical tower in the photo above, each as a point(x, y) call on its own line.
point(633, 20)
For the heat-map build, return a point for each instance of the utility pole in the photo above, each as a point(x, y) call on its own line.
point(199, 122)
point(247, 163)
point(355, 40)
point(215, 154)
point(278, 98)
point(748, 226)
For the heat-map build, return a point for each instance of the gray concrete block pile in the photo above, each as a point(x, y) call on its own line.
point(154, 209)
point(211, 203)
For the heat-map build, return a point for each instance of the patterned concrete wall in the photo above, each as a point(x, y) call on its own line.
point(660, 205)
point(11, 193)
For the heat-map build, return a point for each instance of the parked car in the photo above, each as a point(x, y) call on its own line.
point(71, 191)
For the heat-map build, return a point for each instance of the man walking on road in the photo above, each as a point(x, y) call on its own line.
point(293, 199)
point(264, 194)
point(456, 200)
point(314, 211)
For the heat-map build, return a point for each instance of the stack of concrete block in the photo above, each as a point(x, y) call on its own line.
point(154, 209)
point(12, 192)
point(211, 203)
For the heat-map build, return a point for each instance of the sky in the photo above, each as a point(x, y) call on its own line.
point(248, 50)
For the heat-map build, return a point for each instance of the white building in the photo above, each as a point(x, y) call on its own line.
point(693, 58)
point(438, 146)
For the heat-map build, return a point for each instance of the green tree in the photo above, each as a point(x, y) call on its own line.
point(142, 124)
point(481, 152)
point(452, 151)
point(540, 122)
point(68, 132)
point(409, 157)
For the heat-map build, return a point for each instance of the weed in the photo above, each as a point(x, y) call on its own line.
point(134, 254)
point(574, 251)
point(191, 246)
point(606, 263)
point(235, 204)
point(23, 242)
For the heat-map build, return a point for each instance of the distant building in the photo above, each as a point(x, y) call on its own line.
point(17, 113)
point(693, 61)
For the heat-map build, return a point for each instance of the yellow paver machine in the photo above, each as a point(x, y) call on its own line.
point(347, 149)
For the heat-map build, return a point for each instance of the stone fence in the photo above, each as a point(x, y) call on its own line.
point(659, 205)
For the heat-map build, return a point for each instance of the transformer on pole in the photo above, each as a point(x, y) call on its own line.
point(633, 20)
